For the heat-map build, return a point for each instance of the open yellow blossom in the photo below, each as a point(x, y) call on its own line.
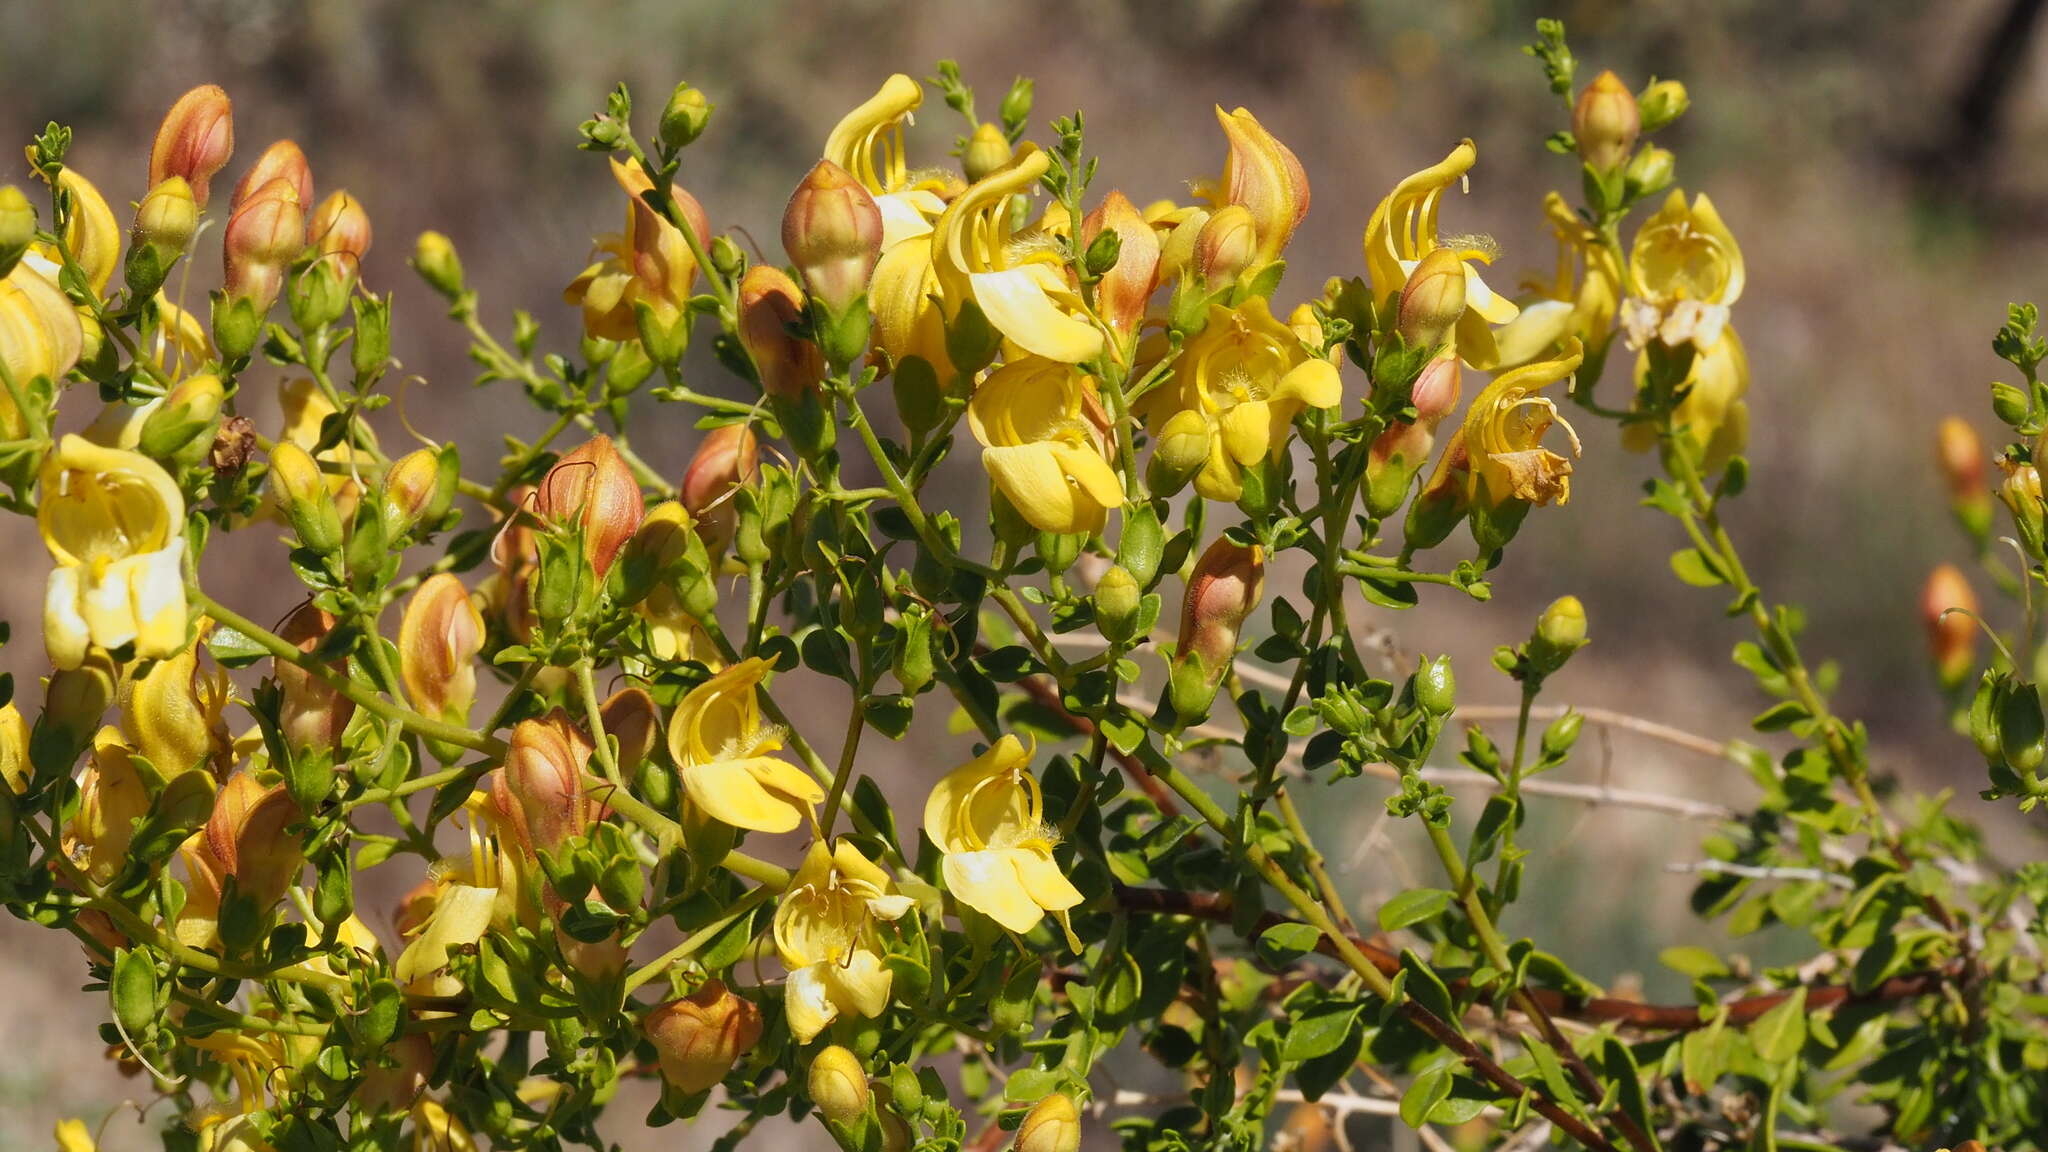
point(114, 522)
point(825, 929)
point(1403, 230)
point(649, 263)
point(988, 818)
point(722, 747)
point(1021, 287)
point(1579, 302)
point(909, 201)
point(1687, 271)
point(462, 900)
point(1247, 376)
point(1045, 441)
point(1503, 435)
point(1713, 414)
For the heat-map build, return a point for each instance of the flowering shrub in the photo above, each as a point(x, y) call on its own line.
point(578, 752)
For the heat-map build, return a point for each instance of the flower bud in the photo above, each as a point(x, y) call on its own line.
point(593, 490)
point(1180, 452)
point(685, 116)
point(771, 306)
point(2021, 494)
point(438, 641)
point(167, 216)
point(195, 140)
point(1606, 122)
point(1661, 103)
point(1649, 171)
point(1432, 300)
point(15, 771)
point(1222, 591)
point(172, 713)
point(838, 1085)
point(1951, 635)
point(1560, 631)
point(419, 488)
point(283, 160)
point(246, 833)
point(987, 150)
point(832, 231)
point(1226, 246)
point(727, 458)
point(434, 258)
point(264, 235)
point(1960, 454)
point(1436, 390)
point(301, 490)
point(182, 426)
point(1052, 1125)
point(17, 227)
point(73, 704)
point(544, 764)
point(1126, 289)
point(628, 715)
point(312, 712)
point(700, 1037)
point(1117, 598)
point(1266, 178)
point(340, 231)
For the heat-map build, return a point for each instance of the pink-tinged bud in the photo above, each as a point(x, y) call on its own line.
point(727, 458)
point(1126, 289)
point(1436, 390)
point(1222, 591)
point(515, 556)
point(264, 235)
point(1961, 456)
point(393, 1089)
point(438, 641)
point(1606, 122)
point(629, 716)
point(1951, 635)
point(544, 774)
point(340, 230)
point(195, 140)
point(1432, 300)
point(1265, 177)
point(1226, 246)
point(283, 160)
point(314, 712)
point(593, 489)
point(246, 833)
point(771, 304)
point(700, 1037)
point(167, 216)
point(832, 231)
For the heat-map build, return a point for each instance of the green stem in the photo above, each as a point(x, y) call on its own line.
point(697, 939)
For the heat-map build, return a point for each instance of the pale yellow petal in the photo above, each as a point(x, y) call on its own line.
point(1017, 305)
point(988, 883)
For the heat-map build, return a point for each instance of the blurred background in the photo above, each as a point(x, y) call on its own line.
point(1879, 160)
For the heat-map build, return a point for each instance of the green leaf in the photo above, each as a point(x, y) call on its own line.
point(1429, 1089)
point(1779, 1034)
point(133, 989)
point(232, 649)
point(1319, 1031)
point(1283, 944)
point(1413, 907)
point(1698, 963)
point(1781, 716)
point(1703, 1056)
point(1692, 566)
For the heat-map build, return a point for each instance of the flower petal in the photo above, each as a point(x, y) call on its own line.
point(988, 883)
point(728, 792)
point(1030, 477)
point(860, 985)
point(1016, 304)
point(807, 1004)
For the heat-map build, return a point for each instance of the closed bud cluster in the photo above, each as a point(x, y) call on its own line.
point(592, 491)
point(439, 638)
point(701, 1036)
point(1606, 122)
point(544, 775)
point(727, 458)
point(1052, 1125)
point(313, 713)
point(838, 1085)
point(771, 307)
point(1948, 609)
point(194, 141)
point(832, 230)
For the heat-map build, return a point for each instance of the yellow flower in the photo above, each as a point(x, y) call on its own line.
point(74, 1136)
point(825, 933)
point(91, 234)
point(909, 201)
point(39, 336)
point(1044, 441)
point(1265, 177)
point(1021, 287)
point(1578, 303)
point(903, 295)
point(114, 522)
point(111, 798)
point(1403, 230)
point(174, 714)
point(1503, 434)
point(1687, 271)
point(722, 747)
point(1247, 376)
point(649, 263)
point(461, 901)
point(1713, 415)
point(435, 1129)
point(988, 818)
